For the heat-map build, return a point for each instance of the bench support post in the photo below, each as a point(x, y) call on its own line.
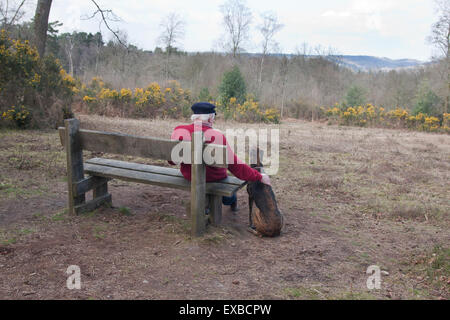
point(215, 207)
point(74, 154)
point(101, 192)
point(198, 185)
point(75, 174)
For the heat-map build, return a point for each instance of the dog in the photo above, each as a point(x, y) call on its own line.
point(265, 220)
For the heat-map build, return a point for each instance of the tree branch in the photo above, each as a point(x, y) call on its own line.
point(105, 15)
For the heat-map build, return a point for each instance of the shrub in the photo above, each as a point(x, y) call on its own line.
point(272, 115)
point(126, 95)
point(39, 86)
point(356, 96)
point(249, 112)
point(20, 116)
point(427, 101)
point(155, 94)
point(173, 101)
point(302, 109)
point(376, 116)
point(204, 95)
point(232, 86)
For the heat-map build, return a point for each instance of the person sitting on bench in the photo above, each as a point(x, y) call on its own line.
point(206, 112)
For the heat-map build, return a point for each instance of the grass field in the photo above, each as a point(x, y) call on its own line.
point(352, 198)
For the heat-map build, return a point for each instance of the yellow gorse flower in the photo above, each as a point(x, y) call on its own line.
point(21, 116)
point(126, 94)
point(370, 114)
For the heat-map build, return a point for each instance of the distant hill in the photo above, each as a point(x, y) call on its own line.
point(367, 63)
point(363, 63)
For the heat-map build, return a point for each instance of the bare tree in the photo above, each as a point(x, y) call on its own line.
point(41, 23)
point(237, 19)
point(284, 72)
point(173, 29)
point(69, 44)
point(107, 16)
point(10, 13)
point(440, 37)
point(440, 33)
point(268, 28)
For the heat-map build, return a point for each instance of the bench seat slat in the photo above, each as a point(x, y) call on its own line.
point(155, 169)
point(215, 188)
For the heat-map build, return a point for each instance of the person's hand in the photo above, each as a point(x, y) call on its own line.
point(266, 179)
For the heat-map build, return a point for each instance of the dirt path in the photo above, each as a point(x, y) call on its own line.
point(352, 198)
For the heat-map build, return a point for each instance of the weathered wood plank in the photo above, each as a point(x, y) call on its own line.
point(154, 169)
point(100, 190)
point(198, 186)
point(180, 183)
point(74, 155)
point(215, 207)
point(137, 176)
point(93, 204)
point(146, 147)
point(88, 184)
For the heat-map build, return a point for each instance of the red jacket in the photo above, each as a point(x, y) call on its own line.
point(238, 168)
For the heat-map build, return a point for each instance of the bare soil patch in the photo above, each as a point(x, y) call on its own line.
point(352, 198)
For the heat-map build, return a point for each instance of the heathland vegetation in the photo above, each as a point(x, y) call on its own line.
point(84, 72)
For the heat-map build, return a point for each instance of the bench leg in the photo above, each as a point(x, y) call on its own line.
point(198, 201)
point(101, 192)
point(198, 186)
point(215, 207)
point(74, 156)
point(101, 197)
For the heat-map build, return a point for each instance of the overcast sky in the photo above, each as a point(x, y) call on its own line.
point(384, 28)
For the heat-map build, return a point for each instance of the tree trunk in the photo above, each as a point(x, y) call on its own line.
point(447, 62)
point(261, 70)
point(68, 46)
point(41, 25)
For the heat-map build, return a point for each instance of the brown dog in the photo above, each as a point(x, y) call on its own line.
point(266, 220)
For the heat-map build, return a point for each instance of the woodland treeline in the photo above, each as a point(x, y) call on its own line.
point(297, 85)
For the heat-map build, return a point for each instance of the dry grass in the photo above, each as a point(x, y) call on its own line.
point(352, 197)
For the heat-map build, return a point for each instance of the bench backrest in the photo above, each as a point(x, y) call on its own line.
point(144, 147)
point(75, 140)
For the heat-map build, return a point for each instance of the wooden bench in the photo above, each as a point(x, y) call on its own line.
point(100, 170)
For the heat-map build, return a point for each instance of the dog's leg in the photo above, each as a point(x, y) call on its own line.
point(250, 214)
point(252, 228)
point(254, 232)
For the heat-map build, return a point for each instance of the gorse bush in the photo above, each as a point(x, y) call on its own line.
point(40, 87)
point(173, 101)
point(370, 115)
point(20, 116)
point(248, 112)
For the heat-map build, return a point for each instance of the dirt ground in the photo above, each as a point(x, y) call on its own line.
point(351, 197)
